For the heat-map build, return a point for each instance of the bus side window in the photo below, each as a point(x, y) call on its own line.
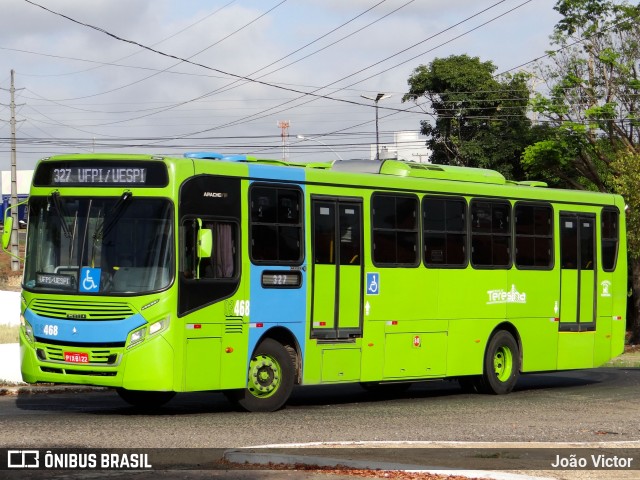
point(610, 236)
point(394, 221)
point(445, 232)
point(187, 242)
point(222, 262)
point(276, 225)
point(490, 234)
point(534, 235)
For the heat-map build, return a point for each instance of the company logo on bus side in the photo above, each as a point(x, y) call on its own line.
point(504, 296)
point(215, 194)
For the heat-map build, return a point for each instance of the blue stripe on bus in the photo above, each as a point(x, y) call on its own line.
point(83, 331)
point(271, 307)
point(276, 173)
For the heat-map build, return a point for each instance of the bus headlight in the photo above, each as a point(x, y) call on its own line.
point(153, 329)
point(137, 337)
point(28, 329)
point(159, 326)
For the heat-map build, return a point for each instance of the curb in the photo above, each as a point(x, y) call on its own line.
point(242, 457)
point(27, 389)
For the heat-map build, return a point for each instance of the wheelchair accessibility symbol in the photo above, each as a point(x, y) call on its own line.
point(373, 284)
point(90, 279)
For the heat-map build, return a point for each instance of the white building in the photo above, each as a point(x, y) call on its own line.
point(407, 145)
point(23, 178)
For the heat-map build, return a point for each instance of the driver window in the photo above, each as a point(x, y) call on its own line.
point(222, 263)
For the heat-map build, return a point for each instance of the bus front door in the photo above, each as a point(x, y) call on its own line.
point(337, 268)
point(577, 274)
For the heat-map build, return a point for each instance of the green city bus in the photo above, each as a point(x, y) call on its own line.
point(155, 275)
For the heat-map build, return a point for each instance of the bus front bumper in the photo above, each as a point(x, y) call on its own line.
point(148, 366)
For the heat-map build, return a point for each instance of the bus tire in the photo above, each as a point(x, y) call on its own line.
point(501, 364)
point(144, 398)
point(270, 380)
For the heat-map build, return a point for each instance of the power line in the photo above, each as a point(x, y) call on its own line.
point(237, 122)
point(230, 86)
point(209, 15)
point(145, 47)
point(239, 77)
point(233, 75)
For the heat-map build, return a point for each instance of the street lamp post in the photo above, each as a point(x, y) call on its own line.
point(376, 99)
point(302, 137)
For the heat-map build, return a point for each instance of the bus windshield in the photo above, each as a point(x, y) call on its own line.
point(104, 245)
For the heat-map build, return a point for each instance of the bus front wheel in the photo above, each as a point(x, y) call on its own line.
point(501, 364)
point(143, 398)
point(270, 379)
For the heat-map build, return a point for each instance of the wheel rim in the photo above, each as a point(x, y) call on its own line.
point(503, 363)
point(265, 376)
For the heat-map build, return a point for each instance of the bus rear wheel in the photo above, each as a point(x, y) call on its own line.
point(501, 364)
point(270, 380)
point(143, 398)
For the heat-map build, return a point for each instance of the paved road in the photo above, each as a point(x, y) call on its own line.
point(595, 406)
point(581, 406)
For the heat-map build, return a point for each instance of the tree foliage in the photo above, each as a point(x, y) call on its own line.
point(592, 107)
point(592, 111)
point(478, 120)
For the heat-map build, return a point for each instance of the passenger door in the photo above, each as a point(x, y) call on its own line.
point(337, 268)
point(577, 273)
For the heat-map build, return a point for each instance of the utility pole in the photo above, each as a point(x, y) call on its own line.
point(15, 263)
point(15, 251)
point(376, 99)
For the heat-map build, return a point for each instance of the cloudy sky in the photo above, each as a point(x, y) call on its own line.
point(220, 74)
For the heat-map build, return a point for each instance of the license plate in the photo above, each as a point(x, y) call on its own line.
point(76, 357)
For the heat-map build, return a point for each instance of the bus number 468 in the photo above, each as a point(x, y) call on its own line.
point(51, 330)
point(241, 308)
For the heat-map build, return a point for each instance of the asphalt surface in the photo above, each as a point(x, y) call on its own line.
point(596, 406)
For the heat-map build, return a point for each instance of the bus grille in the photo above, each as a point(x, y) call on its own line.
point(82, 310)
point(102, 356)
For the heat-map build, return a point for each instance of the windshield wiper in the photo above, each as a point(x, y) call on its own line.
point(62, 215)
point(115, 214)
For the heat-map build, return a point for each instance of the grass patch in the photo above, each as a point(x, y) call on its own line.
point(629, 359)
point(9, 333)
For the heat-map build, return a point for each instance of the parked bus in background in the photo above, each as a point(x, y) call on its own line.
point(157, 275)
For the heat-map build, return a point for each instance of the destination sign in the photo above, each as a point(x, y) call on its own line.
point(102, 173)
point(113, 175)
point(54, 280)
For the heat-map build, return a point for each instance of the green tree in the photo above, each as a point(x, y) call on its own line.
point(478, 120)
point(592, 110)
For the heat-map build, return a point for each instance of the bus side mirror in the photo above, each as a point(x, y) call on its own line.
point(205, 243)
point(6, 232)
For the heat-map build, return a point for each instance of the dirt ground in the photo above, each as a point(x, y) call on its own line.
point(9, 280)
